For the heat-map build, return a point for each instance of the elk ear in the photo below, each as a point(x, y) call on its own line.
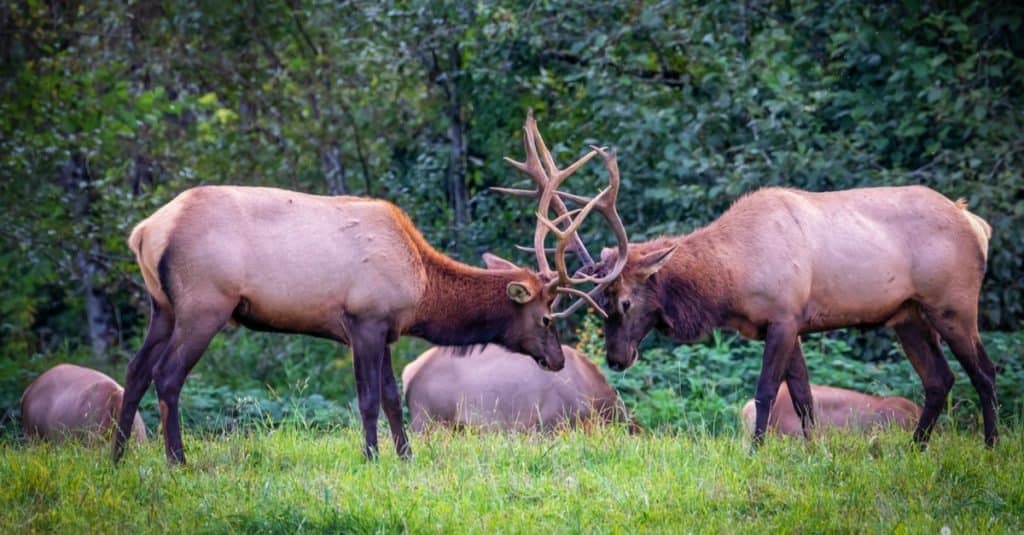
point(653, 261)
point(493, 261)
point(519, 293)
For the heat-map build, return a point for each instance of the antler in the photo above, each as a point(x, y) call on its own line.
point(540, 167)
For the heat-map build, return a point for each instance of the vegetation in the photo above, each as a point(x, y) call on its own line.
point(110, 108)
point(290, 480)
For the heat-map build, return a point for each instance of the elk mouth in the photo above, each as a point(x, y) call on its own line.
point(619, 366)
point(543, 363)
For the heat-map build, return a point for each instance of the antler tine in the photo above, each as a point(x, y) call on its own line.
point(516, 192)
point(606, 207)
point(584, 297)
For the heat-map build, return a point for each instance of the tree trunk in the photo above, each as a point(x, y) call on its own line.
point(457, 188)
point(74, 177)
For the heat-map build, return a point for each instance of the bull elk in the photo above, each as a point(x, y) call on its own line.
point(782, 262)
point(69, 401)
point(349, 269)
point(498, 389)
point(835, 408)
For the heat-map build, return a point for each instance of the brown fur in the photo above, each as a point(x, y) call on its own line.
point(350, 269)
point(499, 389)
point(69, 401)
point(781, 262)
point(836, 408)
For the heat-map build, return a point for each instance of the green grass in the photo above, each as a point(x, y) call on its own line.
point(291, 480)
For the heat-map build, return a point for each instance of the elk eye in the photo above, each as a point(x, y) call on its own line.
point(625, 305)
point(546, 321)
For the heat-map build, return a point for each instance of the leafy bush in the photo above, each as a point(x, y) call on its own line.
point(701, 387)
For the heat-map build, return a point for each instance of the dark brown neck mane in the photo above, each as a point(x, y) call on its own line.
point(463, 305)
point(692, 288)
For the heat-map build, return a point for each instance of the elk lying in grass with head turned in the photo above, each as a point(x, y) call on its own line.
point(353, 270)
point(835, 408)
point(69, 401)
point(502, 390)
point(782, 262)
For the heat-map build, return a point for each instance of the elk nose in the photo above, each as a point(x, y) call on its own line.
point(615, 366)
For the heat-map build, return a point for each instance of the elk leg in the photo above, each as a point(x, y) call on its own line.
point(962, 336)
point(369, 344)
point(140, 373)
point(392, 402)
point(921, 345)
point(192, 334)
point(800, 389)
point(778, 348)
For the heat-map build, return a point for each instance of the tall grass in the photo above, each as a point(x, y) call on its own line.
point(291, 480)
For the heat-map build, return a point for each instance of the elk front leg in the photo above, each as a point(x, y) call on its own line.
point(778, 348)
point(393, 406)
point(369, 346)
point(800, 388)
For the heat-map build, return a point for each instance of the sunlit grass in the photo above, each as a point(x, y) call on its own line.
point(290, 480)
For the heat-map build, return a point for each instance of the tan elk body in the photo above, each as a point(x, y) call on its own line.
point(835, 408)
point(350, 269)
point(69, 401)
point(782, 262)
point(499, 389)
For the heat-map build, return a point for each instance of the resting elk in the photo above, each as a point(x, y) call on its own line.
point(835, 408)
point(349, 269)
point(498, 389)
point(782, 262)
point(69, 401)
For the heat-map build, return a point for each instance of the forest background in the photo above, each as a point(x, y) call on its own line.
point(109, 109)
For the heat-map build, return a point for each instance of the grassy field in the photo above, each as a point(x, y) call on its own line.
point(290, 480)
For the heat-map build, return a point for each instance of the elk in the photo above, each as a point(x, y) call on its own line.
point(835, 408)
point(349, 269)
point(498, 389)
point(69, 401)
point(783, 262)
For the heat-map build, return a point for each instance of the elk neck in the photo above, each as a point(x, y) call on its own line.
point(694, 287)
point(463, 305)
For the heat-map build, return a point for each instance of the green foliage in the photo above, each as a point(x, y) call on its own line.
point(108, 109)
point(701, 387)
point(291, 480)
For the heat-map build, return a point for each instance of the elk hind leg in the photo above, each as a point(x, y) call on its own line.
point(921, 345)
point(194, 327)
point(140, 372)
point(960, 331)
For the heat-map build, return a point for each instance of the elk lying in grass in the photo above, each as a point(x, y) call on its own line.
point(835, 408)
point(69, 401)
point(349, 269)
point(498, 389)
point(781, 262)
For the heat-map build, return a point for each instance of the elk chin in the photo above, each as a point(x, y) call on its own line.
point(553, 364)
point(620, 364)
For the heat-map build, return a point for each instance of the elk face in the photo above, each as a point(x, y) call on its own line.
point(632, 304)
point(533, 330)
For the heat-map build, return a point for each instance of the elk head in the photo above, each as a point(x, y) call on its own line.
point(632, 303)
point(533, 331)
